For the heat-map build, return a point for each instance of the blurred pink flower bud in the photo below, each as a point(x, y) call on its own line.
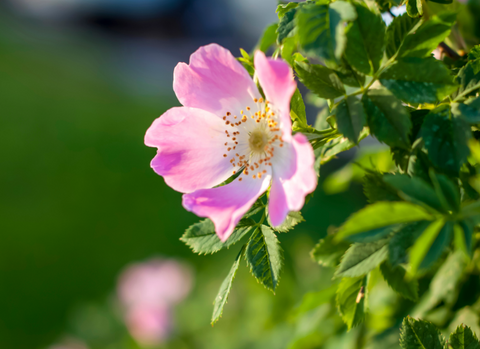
point(149, 325)
point(156, 282)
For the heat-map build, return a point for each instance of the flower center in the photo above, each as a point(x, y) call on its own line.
point(258, 140)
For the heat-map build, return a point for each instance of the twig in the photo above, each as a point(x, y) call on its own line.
point(449, 51)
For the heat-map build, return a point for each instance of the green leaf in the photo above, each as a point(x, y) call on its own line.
point(395, 278)
point(202, 239)
point(397, 31)
point(414, 8)
point(422, 40)
point(469, 78)
point(339, 145)
point(327, 251)
point(446, 140)
point(382, 214)
point(419, 80)
point(350, 118)
point(445, 284)
point(447, 191)
point(347, 74)
point(469, 111)
point(403, 240)
point(376, 189)
point(289, 46)
point(414, 189)
point(388, 120)
point(362, 258)
point(430, 245)
point(225, 288)
point(265, 257)
point(268, 38)
point(320, 80)
point(365, 40)
point(418, 334)
point(293, 218)
point(351, 300)
point(286, 25)
point(463, 338)
point(297, 108)
point(321, 29)
point(282, 9)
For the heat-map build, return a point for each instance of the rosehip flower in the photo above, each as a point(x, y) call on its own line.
point(224, 128)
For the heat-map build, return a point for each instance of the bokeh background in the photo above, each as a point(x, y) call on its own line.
point(80, 82)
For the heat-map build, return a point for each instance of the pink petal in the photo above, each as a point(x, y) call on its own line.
point(226, 205)
point(191, 149)
point(214, 81)
point(293, 178)
point(277, 81)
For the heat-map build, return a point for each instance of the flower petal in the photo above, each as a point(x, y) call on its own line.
point(293, 178)
point(276, 79)
point(191, 148)
point(214, 81)
point(226, 205)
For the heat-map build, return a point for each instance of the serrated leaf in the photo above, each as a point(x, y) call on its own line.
point(365, 40)
point(282, 9)
point(418, 334)
point(423, 39)
point(292, 219)
point(388, 120)
point(286, 25)
point(361, 258)
point(463, 338)
point(327, 251)
point(395, 278)
point(382, 214)
point(397, 31)
point(414, 189)
point(321, 29)
point(351, 300)
point(265, 257)
point(469, 78)
point(202, 239)
point(469, 111)
point(445, 284)
point(350, 118)
point(376, 189)
point(430, 245)
point(225, 288)
point(403, 240)
point(446, 140)
point(320, 80)
point(414, 8)
point(297, 107)
point(418, 80)
point(268, 37)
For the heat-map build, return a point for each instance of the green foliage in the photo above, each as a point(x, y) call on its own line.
point(265, 257)
point(225, 288)
point(418, 80)
point(321, 29)
point(463, 338)
point(415, 8)
point(202, 239)
point(327, 251)
point(350, 300)
point(293, 218)
point(402, 240)
point(446, 140)
point(320, 80)
point(365, 40)
point(268, 38)
point(397, 280)
point(469, 78)
point(350, 118)
point(397, 31)
point(420, 334)
point(361, 258)
point(387, 119)
point(382, 214)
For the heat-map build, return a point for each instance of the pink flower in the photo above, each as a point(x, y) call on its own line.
point(147, 292)
point(226, 127)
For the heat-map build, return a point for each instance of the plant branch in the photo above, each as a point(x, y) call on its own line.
point(450, 52)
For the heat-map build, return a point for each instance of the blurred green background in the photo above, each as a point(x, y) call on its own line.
point(79, 201)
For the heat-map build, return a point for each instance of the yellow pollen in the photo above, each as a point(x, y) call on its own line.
point(224, 155)
point(240, 179)
point(228, 113)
